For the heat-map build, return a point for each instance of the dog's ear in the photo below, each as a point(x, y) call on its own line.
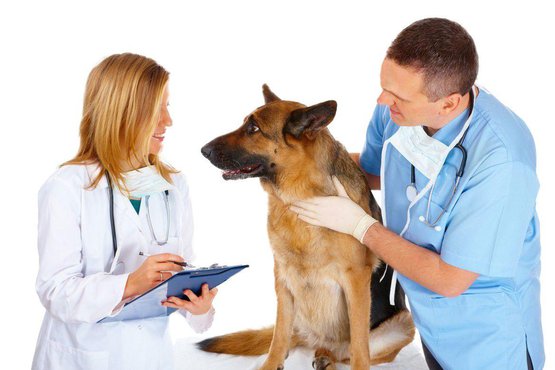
point(310, 120)
point(269, 96)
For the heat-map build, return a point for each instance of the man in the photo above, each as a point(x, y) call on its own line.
point(457, 174)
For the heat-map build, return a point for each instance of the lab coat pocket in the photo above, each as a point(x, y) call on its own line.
point(60, 356)
point(427, 228)
point(472, 322)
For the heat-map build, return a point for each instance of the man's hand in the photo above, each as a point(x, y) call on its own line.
point(338, 213)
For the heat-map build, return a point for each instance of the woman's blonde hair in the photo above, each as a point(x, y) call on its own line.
point(120, 113)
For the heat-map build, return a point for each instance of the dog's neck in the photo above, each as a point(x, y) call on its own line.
point(307, 178)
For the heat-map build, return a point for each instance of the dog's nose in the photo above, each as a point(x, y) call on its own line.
point(206, 150)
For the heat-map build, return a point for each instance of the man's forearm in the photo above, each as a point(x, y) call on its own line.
point(418, 264)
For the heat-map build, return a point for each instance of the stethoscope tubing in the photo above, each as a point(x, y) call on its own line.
point(460, 173)
point(166, 201)
point(113, 223)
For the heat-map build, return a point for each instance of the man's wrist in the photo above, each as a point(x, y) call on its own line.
point(362, 227)
point(369, 237)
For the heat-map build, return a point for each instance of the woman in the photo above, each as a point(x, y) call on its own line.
point(112, 222)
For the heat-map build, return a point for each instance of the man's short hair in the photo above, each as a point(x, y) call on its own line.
point(443, 51)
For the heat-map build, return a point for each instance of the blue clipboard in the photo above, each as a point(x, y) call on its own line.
point(148, 305)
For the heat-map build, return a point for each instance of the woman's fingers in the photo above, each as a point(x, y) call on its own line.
point(192, 296)
point(163, 257)
point(163, 276)
point(166, 266)
point(175, 302)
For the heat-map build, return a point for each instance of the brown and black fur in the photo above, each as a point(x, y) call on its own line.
point(328, 286)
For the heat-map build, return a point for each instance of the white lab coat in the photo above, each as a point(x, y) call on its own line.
point(80, 282)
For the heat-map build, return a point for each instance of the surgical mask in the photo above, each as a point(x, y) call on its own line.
point(424, 152)
point(145, 181)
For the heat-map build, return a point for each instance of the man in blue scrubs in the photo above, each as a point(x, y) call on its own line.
point(457, 170)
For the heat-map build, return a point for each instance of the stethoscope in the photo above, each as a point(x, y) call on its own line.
point(147, 197)
point(412, 191)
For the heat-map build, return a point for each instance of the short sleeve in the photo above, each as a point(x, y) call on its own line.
point(371, 155)
point(489, 223)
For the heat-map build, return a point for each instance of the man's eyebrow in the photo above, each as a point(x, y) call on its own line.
point(395, 95)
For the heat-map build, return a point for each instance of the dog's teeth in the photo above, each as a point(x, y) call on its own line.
point(242, 172)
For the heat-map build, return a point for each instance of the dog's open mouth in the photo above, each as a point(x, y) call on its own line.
point(243, 172)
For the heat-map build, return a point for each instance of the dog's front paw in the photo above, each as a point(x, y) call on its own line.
point(271, 367)
point(323, 363)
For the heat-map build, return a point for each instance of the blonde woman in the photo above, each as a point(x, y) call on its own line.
point(112, 223)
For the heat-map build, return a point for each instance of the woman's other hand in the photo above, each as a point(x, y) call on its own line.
point(197, 305)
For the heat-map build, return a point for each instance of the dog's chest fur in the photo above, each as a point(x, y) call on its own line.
point(310, 264)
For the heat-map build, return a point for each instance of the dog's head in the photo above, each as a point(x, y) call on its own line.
point(255, 149)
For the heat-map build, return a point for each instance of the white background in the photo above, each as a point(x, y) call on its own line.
point(219, 54)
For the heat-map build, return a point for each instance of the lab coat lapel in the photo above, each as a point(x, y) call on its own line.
point(129, 245)
point(123, 208)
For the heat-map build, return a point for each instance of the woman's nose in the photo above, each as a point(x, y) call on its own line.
point(165, 118)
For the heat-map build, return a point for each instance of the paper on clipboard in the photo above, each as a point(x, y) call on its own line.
point(149, 305)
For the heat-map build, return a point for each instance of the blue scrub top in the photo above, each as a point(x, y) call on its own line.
point(490, 227)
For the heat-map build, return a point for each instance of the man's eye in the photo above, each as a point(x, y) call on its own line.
point(252, 128)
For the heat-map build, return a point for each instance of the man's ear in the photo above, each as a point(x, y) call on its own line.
point(310, 120)
point(450, 103)
point(269, 96)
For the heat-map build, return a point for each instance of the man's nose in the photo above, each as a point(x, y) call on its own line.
point(385, 99)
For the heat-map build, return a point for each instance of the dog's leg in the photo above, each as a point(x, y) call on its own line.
point(357, 293)
point(284, 324)
point(323, 360)
point(390, 337)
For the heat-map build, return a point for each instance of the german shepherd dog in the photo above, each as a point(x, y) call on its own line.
point(324, 280)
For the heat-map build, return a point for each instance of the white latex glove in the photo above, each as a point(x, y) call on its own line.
point(338, 213)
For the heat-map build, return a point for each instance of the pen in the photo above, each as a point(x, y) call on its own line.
point(182, 264)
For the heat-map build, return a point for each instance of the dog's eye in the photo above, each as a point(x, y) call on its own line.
point(252, 128)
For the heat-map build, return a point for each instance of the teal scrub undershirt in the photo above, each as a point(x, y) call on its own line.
point(136, 203)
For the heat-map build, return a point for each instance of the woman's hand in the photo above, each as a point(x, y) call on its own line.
point(153, 271)
point(196, 305)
